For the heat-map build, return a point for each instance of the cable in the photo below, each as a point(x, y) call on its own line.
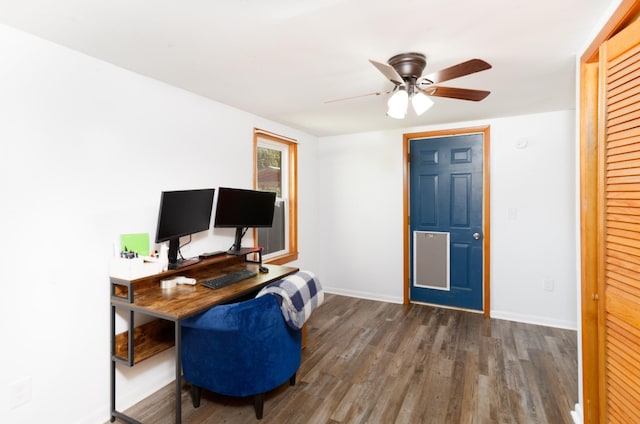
point(180, 247)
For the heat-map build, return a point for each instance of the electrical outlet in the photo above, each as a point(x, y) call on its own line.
point(20, 393)
point(549, 284)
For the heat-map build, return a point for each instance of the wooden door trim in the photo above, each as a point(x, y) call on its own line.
point(589, 291)
point(486, 227)
point(628, 11)
point(593, 396)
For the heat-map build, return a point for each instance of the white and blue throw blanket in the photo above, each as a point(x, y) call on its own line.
point(298, 295)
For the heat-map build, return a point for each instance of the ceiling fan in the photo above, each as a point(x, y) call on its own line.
point(405, 72)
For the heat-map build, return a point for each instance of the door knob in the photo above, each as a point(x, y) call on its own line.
point(476, 236)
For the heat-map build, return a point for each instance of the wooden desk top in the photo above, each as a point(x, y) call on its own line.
point(185, 300)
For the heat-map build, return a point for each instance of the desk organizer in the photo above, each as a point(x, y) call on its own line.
point(130, 269)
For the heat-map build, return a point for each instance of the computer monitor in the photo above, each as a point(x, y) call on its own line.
point(243, 209)
point(182, 213)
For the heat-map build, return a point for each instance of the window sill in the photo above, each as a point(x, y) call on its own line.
point(283, 259)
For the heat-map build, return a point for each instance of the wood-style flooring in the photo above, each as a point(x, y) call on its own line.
point(376, 362)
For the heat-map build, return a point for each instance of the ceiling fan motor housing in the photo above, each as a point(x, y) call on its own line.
point(408, 65)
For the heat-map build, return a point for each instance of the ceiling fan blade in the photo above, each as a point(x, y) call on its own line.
point(456, 93)
point(377, 93)
point(388, 71)
point(456, 71)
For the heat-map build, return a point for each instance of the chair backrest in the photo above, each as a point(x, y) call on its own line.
point(240, 349)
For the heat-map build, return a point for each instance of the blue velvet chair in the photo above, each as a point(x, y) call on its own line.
point(240, 349)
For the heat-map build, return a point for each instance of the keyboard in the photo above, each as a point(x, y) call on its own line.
point(228, 279)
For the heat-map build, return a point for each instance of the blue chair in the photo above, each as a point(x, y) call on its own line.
point(240, 349)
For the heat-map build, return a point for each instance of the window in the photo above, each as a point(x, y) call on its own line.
point(275, 170)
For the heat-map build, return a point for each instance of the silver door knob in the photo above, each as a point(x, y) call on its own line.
point(476, 236)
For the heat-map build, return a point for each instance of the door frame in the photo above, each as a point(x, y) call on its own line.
point(486, 227)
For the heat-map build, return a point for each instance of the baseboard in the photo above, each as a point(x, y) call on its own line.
point(364, 295)
point(577, 415)
point(533, 319)
point(509, 316)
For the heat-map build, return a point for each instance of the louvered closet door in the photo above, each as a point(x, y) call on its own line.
point(620, 220)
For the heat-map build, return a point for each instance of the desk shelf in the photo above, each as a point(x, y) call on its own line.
point(148, 340)
point(126, 290)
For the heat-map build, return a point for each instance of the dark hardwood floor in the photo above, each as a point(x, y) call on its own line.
point(375, 362)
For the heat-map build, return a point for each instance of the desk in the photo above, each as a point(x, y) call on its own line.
point(171, 306)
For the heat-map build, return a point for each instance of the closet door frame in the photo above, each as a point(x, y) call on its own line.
point(594, 399)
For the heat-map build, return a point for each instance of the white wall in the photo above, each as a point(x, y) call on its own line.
point(85, 150)
point(360, 202)
point(361, 191)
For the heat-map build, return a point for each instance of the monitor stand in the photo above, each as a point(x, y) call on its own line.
point(181, 263)
point(242, 251)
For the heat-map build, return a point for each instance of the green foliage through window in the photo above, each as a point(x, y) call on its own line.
point(270, 170)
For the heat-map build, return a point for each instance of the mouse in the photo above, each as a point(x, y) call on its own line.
point(263, 269)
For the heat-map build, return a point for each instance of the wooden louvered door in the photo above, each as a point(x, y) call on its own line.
point(619, 275)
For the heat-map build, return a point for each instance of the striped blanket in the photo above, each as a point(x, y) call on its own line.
point(298, 295)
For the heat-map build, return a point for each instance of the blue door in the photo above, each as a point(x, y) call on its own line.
point(446, 195)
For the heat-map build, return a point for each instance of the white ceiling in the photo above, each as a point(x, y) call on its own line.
point(282, 59)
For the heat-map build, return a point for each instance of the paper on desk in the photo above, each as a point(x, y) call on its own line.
point(138, 243)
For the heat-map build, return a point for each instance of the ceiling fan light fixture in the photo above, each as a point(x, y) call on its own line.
point(398, 103)
point(421, 103)
point(404, 70)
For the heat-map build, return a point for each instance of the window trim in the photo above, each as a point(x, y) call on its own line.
point(292, 147)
